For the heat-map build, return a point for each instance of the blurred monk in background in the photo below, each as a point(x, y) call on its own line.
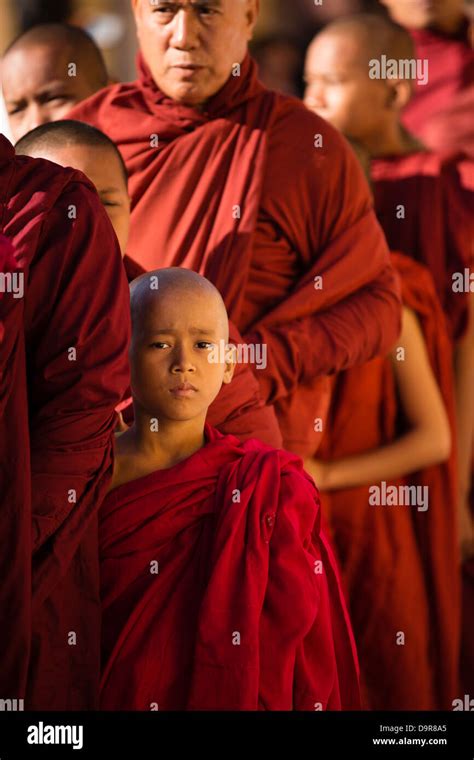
point(441, 110)
point(47, 70)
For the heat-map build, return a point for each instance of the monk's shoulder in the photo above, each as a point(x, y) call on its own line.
point(302, 132)
point(36, 191)
point(107, 108)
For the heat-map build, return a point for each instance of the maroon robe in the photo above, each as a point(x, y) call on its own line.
point(219, 589)
point(76, 333)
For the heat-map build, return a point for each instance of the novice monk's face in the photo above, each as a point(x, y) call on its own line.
point(173, 374)
point(37, 87)
point(339, 89)
point(191, 46)
point(103, 168)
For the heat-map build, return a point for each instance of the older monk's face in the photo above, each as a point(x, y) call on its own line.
point(192, 45)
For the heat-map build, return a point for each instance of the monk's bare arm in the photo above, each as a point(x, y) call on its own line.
point(464, 384)
point(428, 441)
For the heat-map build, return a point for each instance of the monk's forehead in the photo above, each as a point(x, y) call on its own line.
point(355, 45)
point(41, 64)
point(169, 304)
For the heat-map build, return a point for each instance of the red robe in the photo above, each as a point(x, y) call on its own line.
point(219, 589)
point(15, 506)
point(239, 408)
point(76, 300)
point(261, 196)
point(400, 565)
point(437, 228)
point(440, 111)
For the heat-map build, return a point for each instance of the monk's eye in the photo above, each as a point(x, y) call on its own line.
point(205, 345)
point(204, 10)
point(165, 10)
point(57, 99)
point(15, 109)
point(159, 344)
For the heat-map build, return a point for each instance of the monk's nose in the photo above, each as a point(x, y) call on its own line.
point(182, 362)
point(314, 96)
point(185, 30)
point(35, 117)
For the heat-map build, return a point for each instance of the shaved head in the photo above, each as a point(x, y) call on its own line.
point(341, 87)
point(176, 283)
point(73, 40)
point(372, 36)
point(46, 71)
point(60, 135)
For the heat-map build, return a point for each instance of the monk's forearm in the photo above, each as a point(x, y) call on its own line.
point(464, 387)
point(412, 452)
point(350, 333)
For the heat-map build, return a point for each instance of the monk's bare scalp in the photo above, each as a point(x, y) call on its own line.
point(176, 281)
point(73, 40)
point(376, 34)
point(64, 133)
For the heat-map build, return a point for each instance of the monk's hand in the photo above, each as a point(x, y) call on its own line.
point(319, 471)
point(466, 531)
point(121, 426)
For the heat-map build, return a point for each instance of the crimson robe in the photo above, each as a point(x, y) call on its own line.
point(76, 333)
point(400, 565)
point(424, 203)
point(440, 111)
point(15, 502)
point(239, 408)
point(261, 196)
point(219, 589)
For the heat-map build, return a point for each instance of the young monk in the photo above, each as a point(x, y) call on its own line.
point(219, 590)
point(392, 422)
point(440, 111)
point(240, 410)
point(46, 71)
point(423, 200)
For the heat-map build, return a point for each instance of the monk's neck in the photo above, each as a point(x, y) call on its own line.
point(165, 443)
point(395, 140)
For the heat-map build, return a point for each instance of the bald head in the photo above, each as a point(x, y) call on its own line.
point(182, 286)
point(46, 71)
point(348, 82)
point(369, 36)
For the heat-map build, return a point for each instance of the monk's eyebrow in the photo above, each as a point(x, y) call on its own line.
point(193, 331)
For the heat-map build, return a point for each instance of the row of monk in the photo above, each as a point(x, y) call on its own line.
point(183, 556)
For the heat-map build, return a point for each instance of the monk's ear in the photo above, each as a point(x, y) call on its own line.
point(399, 93)
point(230, 363)
point(252, 11)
